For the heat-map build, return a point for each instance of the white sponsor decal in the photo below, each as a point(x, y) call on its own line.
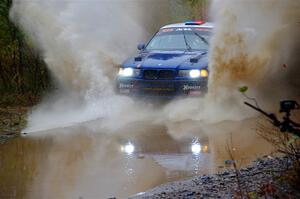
point(185, 29)
point(188, 87)
point(121, 86)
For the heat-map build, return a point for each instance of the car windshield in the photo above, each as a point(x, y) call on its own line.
point(180, 39)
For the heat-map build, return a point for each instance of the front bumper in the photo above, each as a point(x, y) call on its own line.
point(162, 88)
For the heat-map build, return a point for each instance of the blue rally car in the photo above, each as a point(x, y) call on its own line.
point(173, 63)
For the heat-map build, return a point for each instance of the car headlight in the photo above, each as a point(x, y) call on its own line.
point(204, 73)
point(193, 73)
point(129, 72)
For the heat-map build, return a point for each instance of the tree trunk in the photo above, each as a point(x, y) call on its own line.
point(3, 79)
point(20, 67)
point(37, 73)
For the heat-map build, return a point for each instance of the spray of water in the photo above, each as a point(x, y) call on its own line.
point(84, 42)
point(253, 41)
point(255, 44)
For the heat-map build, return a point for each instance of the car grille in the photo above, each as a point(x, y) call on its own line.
point(158, 74)
point(159, 88)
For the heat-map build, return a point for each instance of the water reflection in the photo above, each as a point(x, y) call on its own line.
point(128, 148)
point(183, 157)
point(93, 163)
point(196, 148)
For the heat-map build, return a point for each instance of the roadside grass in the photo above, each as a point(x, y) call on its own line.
point(284, 144)
point(18, 100)
point(13, 113)
point(287, 145)
point(12, 121)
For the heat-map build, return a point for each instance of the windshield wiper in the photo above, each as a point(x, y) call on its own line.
point(186, 43)
point(202, 38)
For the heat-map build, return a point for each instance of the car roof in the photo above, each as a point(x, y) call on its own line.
point(183, 25)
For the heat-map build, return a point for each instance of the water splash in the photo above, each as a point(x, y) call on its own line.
point(84, 42)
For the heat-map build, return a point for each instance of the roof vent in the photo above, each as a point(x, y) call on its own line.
point(194, 60)
point(138, 59)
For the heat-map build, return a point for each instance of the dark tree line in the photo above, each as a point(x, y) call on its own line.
point(22, 70)
point(199, 9)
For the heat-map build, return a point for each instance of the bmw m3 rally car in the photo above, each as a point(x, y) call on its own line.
point(173, 63)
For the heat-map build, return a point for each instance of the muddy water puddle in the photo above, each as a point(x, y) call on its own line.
point(83, 162)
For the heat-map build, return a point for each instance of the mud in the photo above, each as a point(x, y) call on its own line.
point(90, 162)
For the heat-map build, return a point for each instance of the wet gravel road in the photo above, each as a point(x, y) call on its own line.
point(225, 184)
point(90, 162)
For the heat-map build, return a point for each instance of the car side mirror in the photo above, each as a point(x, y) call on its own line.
point(141, 46)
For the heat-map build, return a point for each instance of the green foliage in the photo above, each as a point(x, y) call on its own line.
point(243, 89)
point(199, 9)
point(189, 9)
point(194, 2)
point(22, 71)
point(293, 140)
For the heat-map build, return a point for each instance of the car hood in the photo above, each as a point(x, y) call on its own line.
point(168, 60)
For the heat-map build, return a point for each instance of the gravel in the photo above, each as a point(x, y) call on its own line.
point(224, 185)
